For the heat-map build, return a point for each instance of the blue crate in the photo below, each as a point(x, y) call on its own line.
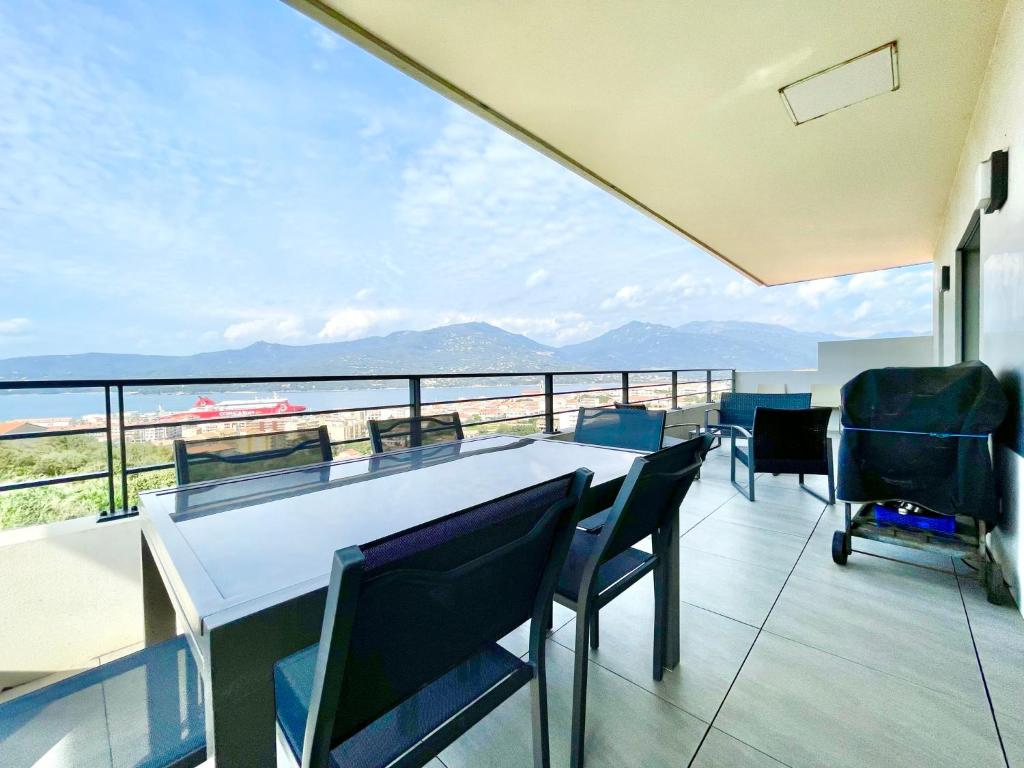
point(937, 523)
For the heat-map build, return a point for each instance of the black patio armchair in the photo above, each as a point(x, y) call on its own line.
point(736, 409)
point(408, 658)
point(413, 432)
point(603, 563)
point(786, 442)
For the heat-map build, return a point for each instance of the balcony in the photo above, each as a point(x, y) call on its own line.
point(785, 658)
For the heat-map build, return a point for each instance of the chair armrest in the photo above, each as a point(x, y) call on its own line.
point(595, 522)
point(690, 424)
point(743, 432)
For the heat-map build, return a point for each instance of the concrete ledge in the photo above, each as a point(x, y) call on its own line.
point(71, 594)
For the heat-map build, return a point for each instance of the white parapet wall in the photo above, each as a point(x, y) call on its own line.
point(71, 594)
point(838, 362)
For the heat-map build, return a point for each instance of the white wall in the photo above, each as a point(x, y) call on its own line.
point(71, 592)
point(838, 362)
point(998, 123)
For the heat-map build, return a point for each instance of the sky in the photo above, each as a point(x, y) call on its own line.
point(190, 176)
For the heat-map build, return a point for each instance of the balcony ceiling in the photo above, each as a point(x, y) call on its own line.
point(674, 106)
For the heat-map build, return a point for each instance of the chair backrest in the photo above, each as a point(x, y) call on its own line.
point(737, 408)
point(621, 428)
point(404, 610)
point(634, 406)
point(653, 490)
point(412, 432)
point(222, 457)
point(792, 437)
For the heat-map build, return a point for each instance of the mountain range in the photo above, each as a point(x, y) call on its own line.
point(464, 347)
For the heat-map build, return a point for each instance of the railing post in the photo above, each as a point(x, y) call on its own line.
point(124, 448)
point(675, 390)
point(732, 382)
point(415, 396)
point(707, 395)
point(549, 404)
point(625, 386)
point(110, 456)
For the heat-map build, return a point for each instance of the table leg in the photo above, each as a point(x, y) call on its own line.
point(672, 616)
point(157, 609)
point(238, 680)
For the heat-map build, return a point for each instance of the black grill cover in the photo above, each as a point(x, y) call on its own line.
point(951, 475)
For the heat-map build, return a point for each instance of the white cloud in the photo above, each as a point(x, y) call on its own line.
point(737, 289)
point(14, 326)
point(363, 293)
point(537, 277)
point(862, 310)
point(324, 38)
point(815, 291)
point(356, 322)
point(477, 200)
point(626, 296)
point(273, 327)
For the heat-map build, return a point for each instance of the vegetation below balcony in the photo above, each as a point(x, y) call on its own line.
point(55, 456)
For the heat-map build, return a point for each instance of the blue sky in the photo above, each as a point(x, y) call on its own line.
point(188, 176)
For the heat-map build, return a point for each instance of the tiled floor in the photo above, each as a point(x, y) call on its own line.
point(787, 658)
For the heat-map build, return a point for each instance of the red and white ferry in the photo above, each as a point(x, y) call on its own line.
point(206, 408)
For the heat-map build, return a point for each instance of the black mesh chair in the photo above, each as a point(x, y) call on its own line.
point(408, 659)
point(398, 434)
point(786, 442)
point(602, 564)
point(634, 406)
point(222, 457)
point(639, 430)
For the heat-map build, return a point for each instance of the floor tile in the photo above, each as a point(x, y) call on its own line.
point(922, 641)
point(878, 577)
point(795, 520)
point(712, 648)
point(707, 494)
point(518, 640)
point(721, 750)
point(1012, 731)
point(999, 638)
point(757, 546)
point(626, 726)
point(738, 590)
point(805, 707)
point(1005, 619)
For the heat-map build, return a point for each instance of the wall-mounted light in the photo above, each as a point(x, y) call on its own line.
point(944, 283)
point(992, 181)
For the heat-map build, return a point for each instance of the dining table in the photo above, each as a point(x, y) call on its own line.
point(241, 565)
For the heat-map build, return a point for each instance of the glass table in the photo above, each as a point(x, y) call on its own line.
point(243, 563)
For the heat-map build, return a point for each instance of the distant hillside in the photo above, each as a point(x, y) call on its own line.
point(457, 348)
point(702, 344)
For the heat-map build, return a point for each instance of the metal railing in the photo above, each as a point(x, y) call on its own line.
point(116, 427)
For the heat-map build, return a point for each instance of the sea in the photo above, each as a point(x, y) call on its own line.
point(15, 405)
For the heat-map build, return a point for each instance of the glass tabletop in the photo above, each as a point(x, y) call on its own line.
point(263, 533)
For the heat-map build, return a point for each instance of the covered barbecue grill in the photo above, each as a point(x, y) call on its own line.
point(920, 435)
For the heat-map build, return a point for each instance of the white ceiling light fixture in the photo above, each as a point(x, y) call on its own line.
point(858, 79)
